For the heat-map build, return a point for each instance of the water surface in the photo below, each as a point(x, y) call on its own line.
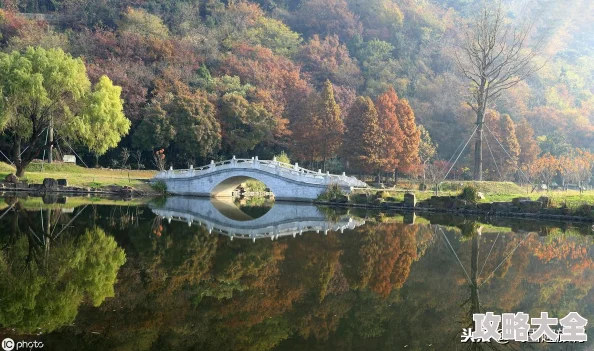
point(192, 274)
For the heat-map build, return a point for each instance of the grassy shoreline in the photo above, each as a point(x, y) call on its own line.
point(494, 192)
point(81, 176)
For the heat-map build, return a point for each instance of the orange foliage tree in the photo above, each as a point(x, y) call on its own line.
point(409, 157)
point(331, 125)
point(543, 169)
point(529, 149)
point(363, 138)
point(393, 137)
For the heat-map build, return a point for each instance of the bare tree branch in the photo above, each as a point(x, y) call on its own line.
point(493, 58)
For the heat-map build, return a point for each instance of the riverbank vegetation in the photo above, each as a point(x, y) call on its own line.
point(364, 87)
point(81, 176)
point(505, 198)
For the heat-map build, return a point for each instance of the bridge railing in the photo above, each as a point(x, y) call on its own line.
point(286, 170)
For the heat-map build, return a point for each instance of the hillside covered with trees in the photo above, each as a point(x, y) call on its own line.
point(344, 85)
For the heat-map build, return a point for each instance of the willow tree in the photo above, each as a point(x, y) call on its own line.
point(494, 57)
point(42, 88)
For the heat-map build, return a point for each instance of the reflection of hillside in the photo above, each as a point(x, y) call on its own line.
point(255, 295)
point(377, 287)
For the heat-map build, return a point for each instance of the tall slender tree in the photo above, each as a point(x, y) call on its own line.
point(409, 157)
point(393, 137)
point(510, 143)
point(305, 128)
point(363, 137)
point(331, 125)
point(493, 58)
point(529, 149)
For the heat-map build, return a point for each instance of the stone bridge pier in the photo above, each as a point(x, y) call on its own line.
point(285, 181)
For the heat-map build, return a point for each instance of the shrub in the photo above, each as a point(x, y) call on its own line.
point(160, 187)
point(470, 194)
point(333, 193)
point(360, 199)
point(283, 157)
point(382, 194)
point(584, 210)
point(255, 186)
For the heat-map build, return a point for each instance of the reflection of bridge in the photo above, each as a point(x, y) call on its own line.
point(283, 219)
point(287, 182)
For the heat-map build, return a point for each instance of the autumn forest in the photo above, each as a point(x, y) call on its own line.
point(344, 85)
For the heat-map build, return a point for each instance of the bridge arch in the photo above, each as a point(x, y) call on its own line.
point(226, 187)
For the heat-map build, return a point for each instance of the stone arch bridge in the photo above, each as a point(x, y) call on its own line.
point(285, 181)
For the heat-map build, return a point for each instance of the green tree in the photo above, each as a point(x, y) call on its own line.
point(186, 123)
point(379, 67)
point(245, 124)
point(138, 21)
point(155, 130)
point(363, 138)
point(275, 35)
point(198, 133)
point(102, 122)
point(40, 86)
point(427, 148)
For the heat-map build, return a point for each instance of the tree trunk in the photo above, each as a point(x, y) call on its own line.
point(50, 151)
point(474, 291)
point(379, 178)
point(478, 149)
point(20, 169)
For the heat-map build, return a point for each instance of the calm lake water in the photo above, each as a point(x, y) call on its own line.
point(194, 274)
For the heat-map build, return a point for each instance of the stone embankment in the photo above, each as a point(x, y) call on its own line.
point(521, 207)
point(60, 186)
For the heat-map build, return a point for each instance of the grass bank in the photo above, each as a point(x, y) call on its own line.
point(81, 176)
point(494, 192)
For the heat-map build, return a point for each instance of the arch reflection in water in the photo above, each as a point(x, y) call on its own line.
point(283, 219)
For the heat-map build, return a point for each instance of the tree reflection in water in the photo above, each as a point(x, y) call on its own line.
point(46, 274)
point(381, 286)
